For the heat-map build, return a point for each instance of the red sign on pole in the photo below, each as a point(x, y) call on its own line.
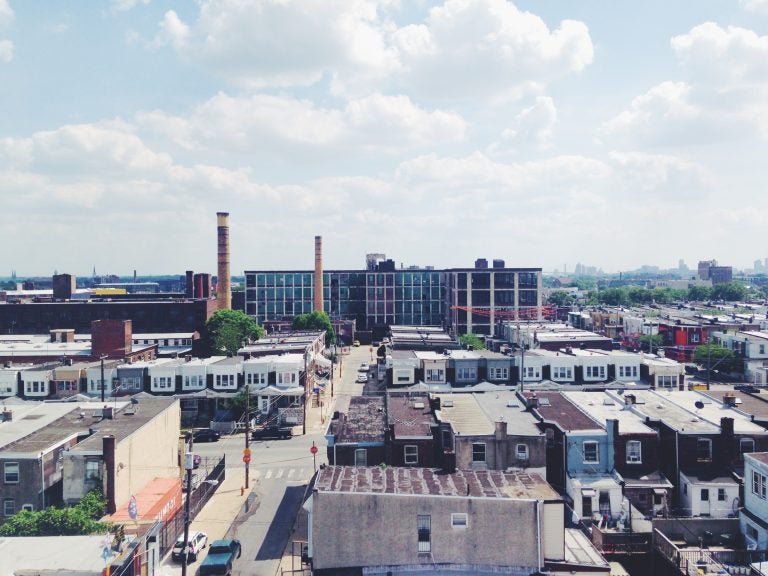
point(313, 449)
point(247, 459)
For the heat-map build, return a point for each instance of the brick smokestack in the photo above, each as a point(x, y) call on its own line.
point(319, 273)
point(223, 289)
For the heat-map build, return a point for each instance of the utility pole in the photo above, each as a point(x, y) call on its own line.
point(103, 385)
point(247, 461)
point(709, 357)
point(189, 463)
point(522, 359)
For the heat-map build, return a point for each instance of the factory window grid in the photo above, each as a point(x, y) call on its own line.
point(424, 533)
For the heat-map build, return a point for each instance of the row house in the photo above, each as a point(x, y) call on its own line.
point(9, 381)
point(456, 367)
point(424, 517)
point(106, 371)
point(635, 448)
point(580, 457)
point(411, 432)
point(753, 516)
point(36, 382)
point(579, 366)
point(701, 443)
point(751, 349)
point(356, 435)
point(52, 454)
point(681, 336)
point(662, 373)
point(452, 528)
point(488, 431)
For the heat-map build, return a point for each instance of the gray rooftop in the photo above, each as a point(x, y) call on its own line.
point(364, 421)
point(432, 482)
point(656, 407)
point(506, 406)
point(410, 415)
point(52, 555)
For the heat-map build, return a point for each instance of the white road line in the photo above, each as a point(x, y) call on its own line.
point(290, 473)
point(269, 473)
point(280, 473)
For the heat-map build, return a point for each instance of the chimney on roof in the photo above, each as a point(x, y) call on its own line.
point(533, 401)
point(729, 399)
point(7, 415)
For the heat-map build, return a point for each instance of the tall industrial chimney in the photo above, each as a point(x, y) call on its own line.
point(223, 289)
point(319, 273)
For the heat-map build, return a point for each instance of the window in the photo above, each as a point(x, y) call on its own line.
point(705, 494)
point(434, 375)
point(411, 454)
point(424, 531)
point(361, 457)
point(11, 472)
point(758, 484)
point(562, 372)
point(666, 381)
point(762, 348)
point(634, 452)
point(522, 452)
point(28, 507)
point(478, 452)
point(751, 532)
point(590, 452)
point(721, 494)
point(595, 371)
point(746, 445)
point(92, 470)
point(703, 450)
point(9, 507)
point(459, 520)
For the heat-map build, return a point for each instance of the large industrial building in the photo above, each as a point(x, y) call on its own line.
point(462, 300)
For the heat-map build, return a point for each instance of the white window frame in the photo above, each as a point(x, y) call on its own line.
point(6, 502)
point(459, 520)
point(759, 483)
point(631, 457)
point(411, 454)
point(6, 471)
point(702, 441)
point(521, 452)
point(484, 451)
point(361, 461)
point(597, 451)
point(28, 507)
point(89, 472)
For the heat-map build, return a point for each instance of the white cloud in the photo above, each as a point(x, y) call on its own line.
point(464, 49)
point(670, 178)
point(6, 13)
point(125, 5)
point(727, 56)
point(6, 50)
point(489, 49)
point(171, 30)
point(755, 5)
point(376, 122)
point(531, 128)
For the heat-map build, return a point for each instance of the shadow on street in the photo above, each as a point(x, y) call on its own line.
point(280, 529)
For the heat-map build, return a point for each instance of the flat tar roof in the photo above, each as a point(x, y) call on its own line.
point(410, 415)
point(601, 407)
point(432, 482)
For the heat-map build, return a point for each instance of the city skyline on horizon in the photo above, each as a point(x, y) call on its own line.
point(438, 130)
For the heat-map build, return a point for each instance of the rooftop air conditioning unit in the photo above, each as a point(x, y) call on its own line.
point(418, 405)
point(446, 404)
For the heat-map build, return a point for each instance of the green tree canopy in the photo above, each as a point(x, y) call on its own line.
point(472, 340)
point(228, 330)
point(316, 320)
point(651, 342)
point(729, 291)
point(559, 298)
point(81, 519)
point(716, 357)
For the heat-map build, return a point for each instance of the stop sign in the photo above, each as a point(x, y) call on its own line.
point(313, 449)
point(246, 459)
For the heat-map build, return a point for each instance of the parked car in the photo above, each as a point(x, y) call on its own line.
point(356, 343)
point(364, 367)
point(197, 541)
point(206, 435)
point(362, 378)
point(279, 432)
point(221, 556)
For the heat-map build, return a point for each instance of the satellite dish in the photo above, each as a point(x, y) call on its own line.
point(699, 404)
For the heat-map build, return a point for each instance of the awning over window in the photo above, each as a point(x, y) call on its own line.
point(587, 492)
point(660, 491)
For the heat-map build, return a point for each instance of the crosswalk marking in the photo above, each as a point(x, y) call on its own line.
point(289, 474)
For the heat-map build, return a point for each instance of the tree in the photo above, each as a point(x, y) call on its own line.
point(559, 298)
point(729, 291)
point(316, 320)
point(81, 519)
point(716, 356)
point(651, 341)
point(472, 340)
point(228, 330)
point(698, 293)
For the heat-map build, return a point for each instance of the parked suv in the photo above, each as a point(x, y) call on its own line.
point(197, 541)
point(279, 432)
point(206, 435)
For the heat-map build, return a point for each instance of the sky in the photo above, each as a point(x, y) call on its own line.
point(543, 132)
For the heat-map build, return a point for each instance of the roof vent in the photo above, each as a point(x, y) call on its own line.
point(418, 405)
point(446, 404)
point(607, 402)
point(513, 404)
point(543, 401)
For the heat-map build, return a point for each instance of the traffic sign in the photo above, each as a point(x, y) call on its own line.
point(313, 449)
point(247, 459)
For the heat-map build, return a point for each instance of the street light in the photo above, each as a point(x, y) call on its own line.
point(189, 464)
